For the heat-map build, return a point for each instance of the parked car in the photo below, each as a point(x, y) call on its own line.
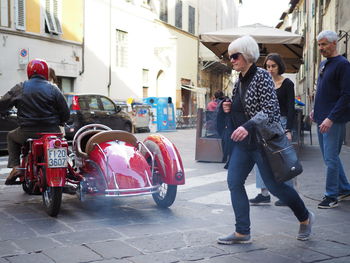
point(93, 108)
point(8, 122)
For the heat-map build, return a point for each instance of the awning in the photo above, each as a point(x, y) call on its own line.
point(270, 39)
point(195, 89)
point(199, 93)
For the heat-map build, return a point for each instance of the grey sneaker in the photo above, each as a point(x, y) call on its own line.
point(233, 239)
point(305, 230)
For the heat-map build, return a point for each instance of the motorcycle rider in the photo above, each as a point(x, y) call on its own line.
point(41, 107)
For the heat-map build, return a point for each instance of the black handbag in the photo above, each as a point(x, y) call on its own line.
point(281, 156)
point(279, 153)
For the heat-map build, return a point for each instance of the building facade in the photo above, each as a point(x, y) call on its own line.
point(310, 17)
point(137, 48)
point(214, 16)
point(119, 48)
point(47, 29)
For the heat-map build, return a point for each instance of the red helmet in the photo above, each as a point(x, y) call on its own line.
point(38, 67)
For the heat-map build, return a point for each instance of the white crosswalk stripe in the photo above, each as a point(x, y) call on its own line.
point(223, 197)
point(203, 180)
point(218, 198)
point(5, 170)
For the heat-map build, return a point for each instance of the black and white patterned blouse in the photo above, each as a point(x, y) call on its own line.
point(261, 104)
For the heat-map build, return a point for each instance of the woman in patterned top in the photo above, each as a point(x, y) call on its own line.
point(255, 104)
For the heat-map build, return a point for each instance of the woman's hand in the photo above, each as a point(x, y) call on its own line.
point(239, 134)
point(289, 135)
point(226, 106)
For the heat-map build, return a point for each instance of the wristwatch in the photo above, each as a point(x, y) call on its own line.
point(287, 130)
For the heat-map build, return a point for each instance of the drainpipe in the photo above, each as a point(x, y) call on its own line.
point(199, 60)
point(83, 44)
point(110, 51)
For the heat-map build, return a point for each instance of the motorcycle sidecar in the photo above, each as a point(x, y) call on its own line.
point(113, 163)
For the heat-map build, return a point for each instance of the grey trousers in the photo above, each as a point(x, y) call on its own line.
point(17, 137)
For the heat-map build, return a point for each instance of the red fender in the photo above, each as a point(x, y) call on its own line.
point(167, 158)
point(56, 177)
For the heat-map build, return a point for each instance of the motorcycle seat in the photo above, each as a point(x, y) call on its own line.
point(110, 136)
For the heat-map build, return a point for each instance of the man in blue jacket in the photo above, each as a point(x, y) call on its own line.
point(41, 107)
point(331, 112)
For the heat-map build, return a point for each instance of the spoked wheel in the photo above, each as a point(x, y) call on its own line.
point(167, 193)
point(166, 196)
point(27, 186)
point(30, 183)
point(52, 196)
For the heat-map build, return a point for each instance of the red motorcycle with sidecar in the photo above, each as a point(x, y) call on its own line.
point(103, 162)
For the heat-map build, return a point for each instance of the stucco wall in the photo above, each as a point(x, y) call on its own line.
point(153, 45)
point(62, 52)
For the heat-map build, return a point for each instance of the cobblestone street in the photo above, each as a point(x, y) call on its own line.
point(135, 230)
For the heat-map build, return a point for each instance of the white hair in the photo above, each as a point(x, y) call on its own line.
point(331, 36)
point(247, 46)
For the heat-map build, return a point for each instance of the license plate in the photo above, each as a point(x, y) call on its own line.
point(57, 157)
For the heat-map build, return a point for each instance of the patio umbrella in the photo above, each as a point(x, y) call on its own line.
point(270, 39)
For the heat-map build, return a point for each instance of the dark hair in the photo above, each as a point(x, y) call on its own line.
point(218, 94)
point(278, 60)
point(52, 75)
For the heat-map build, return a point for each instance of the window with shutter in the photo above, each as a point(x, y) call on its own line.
point(20, 18)
point(163, 15)
point(122, 48)
point(178, 14)
point(56, 15)
point(191, 19)
point(5, 13)
point(52, 21)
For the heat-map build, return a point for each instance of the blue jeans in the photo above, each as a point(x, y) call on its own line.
point(330, 144)
point(259, 181)
point(241, 163)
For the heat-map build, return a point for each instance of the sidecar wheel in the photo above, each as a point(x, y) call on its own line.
point(166, 195)
point(52, 197)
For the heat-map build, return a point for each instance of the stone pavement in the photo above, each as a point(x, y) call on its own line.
point(135, 230)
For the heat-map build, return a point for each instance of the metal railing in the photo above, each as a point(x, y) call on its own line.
point(183, 122)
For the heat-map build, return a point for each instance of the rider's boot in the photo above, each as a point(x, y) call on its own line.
point(11, 179)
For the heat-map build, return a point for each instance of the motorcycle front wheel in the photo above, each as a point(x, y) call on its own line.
point(52, 196)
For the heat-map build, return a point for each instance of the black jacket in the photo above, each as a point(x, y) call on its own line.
point(38, 103)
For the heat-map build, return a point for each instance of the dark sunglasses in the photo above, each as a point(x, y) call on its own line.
point(235, 56)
